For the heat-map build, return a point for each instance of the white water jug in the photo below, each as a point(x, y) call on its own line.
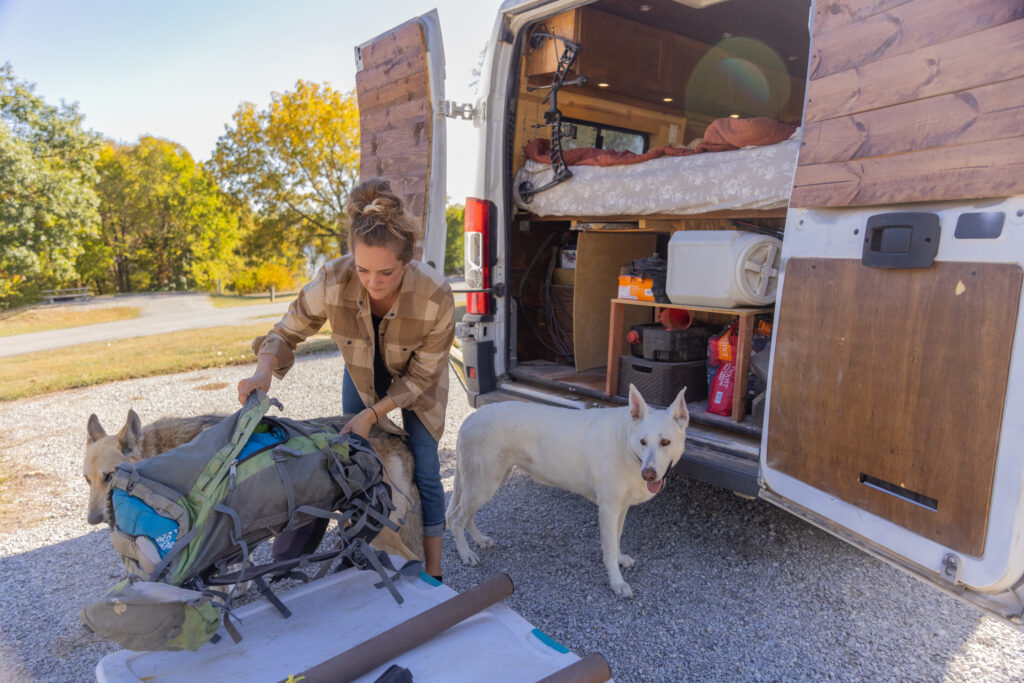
point(722, 268)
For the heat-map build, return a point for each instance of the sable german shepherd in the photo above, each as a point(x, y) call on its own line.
point(104, 452)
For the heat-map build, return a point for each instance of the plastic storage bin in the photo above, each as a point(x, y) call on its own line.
point(722, 268)
point(659, 383)
point(676, 345)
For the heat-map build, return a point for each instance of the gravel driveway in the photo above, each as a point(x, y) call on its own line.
point(725, 588)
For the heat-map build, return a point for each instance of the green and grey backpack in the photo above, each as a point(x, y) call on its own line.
point(178, 520)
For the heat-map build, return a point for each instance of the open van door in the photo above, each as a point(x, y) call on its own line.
point(893, 415)
point(399, 85)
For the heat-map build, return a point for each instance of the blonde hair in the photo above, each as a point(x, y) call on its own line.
point(379, 220)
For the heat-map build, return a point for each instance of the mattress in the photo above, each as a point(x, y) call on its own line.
point(753, 178)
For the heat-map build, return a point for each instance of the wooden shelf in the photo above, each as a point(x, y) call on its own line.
point(745, 333)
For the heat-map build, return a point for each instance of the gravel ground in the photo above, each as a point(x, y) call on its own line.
point(725, 588)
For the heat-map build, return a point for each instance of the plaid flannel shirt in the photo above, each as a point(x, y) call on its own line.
point(415, 336)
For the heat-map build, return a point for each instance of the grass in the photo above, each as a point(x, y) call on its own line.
point(89, 364)
point(27, 320)
point(228, 301)
point(86, 365)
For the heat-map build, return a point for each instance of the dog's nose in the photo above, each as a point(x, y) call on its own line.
point(649, 474)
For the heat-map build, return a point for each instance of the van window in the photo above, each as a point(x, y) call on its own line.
point(599, 136)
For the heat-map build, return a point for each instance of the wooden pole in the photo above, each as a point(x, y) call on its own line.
point(385, 646)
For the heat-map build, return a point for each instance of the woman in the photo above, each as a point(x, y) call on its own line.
point(394, 320)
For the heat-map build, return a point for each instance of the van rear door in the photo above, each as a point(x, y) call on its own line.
point(399, 84)
point(893, 415)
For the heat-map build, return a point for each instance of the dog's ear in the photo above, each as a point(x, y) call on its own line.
point(679, 412)
point(637, 405)
point(94, 429)
point(130, 437)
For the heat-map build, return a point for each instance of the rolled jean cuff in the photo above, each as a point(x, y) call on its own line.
point(430, 530)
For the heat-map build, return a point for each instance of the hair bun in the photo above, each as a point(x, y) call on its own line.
point(374, 198)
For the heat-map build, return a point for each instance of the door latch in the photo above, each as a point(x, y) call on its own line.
point(901, 240)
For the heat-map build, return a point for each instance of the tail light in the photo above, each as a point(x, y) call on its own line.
point(478, 259)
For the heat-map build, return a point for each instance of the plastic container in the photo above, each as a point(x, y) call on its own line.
point(676, 346)
point(659, 383)
point(722, 268)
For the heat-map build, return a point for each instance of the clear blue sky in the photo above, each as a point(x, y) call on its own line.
point(178, 70)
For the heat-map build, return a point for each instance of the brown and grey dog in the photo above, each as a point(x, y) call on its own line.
point(104, 452)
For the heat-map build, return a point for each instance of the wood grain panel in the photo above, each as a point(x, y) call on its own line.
point(831, 14)
point(990, 169)
point(899, 375)
point(981, 58)
point(906, 28)
point(395, 113)
point(599, 257)
point(992, 112)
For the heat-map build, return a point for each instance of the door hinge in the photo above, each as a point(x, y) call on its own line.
point(458, 111)
point(950, 570)
point(359, 58)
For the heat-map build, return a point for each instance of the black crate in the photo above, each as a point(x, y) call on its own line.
point(676, 346)
point(659, 383)
point(637, 349)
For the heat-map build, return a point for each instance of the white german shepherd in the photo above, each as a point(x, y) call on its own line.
point(614, 457)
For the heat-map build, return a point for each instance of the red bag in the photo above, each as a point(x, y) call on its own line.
point(720, 396)
point(722, 347)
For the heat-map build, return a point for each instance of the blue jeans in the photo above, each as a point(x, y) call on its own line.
point(427, 470)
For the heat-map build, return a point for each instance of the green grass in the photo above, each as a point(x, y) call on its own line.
point(27, 320)
point(228, 301)
point(32, 374)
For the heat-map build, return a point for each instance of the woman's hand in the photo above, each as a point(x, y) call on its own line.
point(361, 423)
point(257, 381)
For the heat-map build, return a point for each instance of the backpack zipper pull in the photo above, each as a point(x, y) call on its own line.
point(231, 475)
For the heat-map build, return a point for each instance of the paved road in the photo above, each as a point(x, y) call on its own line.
point(160, 314)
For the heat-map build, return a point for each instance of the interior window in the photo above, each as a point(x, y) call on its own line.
point(599, 136)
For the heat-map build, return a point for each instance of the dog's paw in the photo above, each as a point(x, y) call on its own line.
point(622, 589)
point(485, 542)
point(625, 561)
point(470, 558)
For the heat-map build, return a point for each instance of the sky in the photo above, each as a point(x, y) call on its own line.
point(178, 70)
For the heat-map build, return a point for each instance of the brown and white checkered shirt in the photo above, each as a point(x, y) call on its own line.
point(415, 335)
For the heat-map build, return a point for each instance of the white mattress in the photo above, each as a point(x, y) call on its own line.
point(749, 178)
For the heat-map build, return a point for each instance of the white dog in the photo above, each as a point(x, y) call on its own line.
point(614, 457)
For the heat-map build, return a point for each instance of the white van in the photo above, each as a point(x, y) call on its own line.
point(891, 416)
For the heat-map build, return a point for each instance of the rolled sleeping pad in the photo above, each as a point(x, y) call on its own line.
point(411, 633)
point(591, 669)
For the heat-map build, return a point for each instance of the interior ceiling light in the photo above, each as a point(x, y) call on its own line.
point(602, 85)
point(699, 4)
point(645, 8)
point(666, 99)
point(734, 116)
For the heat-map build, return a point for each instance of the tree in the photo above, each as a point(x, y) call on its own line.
point(294, 163)
point(454, 252)
point(47, 201)
point(166, 224)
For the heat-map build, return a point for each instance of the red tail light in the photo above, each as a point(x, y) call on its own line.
point(478, 260)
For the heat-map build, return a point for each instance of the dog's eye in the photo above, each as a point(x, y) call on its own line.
point(643, 442)
point(665, 442)
point(106, 476)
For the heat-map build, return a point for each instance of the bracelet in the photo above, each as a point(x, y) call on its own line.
point(376, 417)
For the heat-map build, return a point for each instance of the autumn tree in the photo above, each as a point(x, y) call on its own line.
point(455, 216)
point(47, 201)
point(294, 163)
point(166, 223)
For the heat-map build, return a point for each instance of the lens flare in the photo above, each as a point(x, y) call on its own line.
point(739, 75)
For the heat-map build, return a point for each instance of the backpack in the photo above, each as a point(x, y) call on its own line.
point(179, 519)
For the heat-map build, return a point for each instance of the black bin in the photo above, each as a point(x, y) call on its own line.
point(676, 345)
point(659, 382)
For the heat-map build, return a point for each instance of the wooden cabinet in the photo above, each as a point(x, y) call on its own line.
point(745, 330)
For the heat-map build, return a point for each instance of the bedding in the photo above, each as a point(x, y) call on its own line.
point(680, 183)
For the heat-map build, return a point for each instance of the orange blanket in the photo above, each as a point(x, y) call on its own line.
point(721, 135)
